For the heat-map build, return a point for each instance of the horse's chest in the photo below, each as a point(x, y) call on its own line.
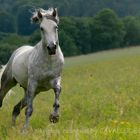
point(47, 72)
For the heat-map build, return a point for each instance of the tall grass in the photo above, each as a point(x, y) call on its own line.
point(100, 100)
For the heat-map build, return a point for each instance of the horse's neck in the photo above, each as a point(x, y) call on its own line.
point(43, 60)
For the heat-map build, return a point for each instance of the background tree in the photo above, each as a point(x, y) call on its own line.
point(83, 37)
point(24, 25)
point(132, 27)
point(8, 44)
point(7, 23)
point(68, 45)
point(107, 31)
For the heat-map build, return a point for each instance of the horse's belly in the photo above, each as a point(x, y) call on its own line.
point(20, 75)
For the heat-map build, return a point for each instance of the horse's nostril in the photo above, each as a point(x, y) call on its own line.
point(52, 48)
point(55, 46)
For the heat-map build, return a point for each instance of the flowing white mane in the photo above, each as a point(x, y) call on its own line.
point(45, 13)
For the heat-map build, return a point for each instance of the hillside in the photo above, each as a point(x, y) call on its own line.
point(100, 100)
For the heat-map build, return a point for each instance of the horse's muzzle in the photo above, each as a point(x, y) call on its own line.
point(51, 49)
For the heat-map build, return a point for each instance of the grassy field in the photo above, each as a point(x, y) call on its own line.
point(100, 100)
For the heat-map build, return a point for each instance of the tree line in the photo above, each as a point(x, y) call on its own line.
point(78, 8)
point(77, 35)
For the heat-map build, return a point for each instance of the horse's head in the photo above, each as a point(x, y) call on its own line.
point(48, 20)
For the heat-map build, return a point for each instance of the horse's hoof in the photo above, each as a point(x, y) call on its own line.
point(54, 118)
point(24, 131)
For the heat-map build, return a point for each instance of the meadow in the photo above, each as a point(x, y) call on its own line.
point(100, 100)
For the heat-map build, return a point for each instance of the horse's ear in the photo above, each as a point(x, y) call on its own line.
point(54, 14)
point(39, 14)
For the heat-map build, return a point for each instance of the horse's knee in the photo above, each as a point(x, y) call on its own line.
point(29, 111)
point(56, 105)
point(57, 89)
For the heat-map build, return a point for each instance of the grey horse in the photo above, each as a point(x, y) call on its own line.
point(36, 68)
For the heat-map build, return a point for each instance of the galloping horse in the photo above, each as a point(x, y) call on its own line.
point(36, 68)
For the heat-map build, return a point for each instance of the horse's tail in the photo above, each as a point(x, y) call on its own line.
point(2, 68)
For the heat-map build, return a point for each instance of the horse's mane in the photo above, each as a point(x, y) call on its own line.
point(45, 13)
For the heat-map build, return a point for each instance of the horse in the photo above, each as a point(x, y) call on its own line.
point(36, 68)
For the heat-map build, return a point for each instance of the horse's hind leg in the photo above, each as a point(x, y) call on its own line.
point(17, 108)
point(6, 84)
point(3, 92)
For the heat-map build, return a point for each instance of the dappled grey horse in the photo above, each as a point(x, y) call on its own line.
point(36, 68)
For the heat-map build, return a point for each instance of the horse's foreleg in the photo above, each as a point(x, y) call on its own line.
point(30, 93)
point(54, 116)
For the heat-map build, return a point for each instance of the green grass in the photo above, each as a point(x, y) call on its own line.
point(100, 100)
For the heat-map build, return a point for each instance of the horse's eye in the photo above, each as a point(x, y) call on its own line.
point(41, 29)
